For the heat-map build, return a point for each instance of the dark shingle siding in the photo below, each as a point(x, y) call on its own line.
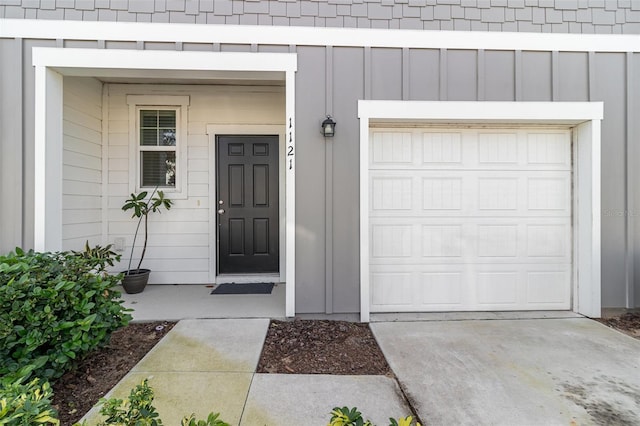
point(588, 16)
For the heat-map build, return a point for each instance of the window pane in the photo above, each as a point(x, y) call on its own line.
point(168, 137)
point(149, 137)
point(149, 118)
point(166, 118)
point(158, 168)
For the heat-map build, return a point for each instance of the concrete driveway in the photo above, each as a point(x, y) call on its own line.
point(515, 372)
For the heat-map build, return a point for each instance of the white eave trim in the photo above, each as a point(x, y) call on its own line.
point(315, 36)
point(520, 112)
point(53, 57)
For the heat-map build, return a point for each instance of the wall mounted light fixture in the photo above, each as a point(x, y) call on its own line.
point(328, 127)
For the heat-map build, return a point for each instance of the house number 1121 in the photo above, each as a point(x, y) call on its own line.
point(290, 153)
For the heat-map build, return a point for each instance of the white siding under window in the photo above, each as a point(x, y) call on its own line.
point(82, 163)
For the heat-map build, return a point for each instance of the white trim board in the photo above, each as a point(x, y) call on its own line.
point(315, 36)
point(583, 117)
point(150, 60)
point(51, 64)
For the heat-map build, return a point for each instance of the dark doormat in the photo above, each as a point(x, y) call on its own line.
point(243, 288)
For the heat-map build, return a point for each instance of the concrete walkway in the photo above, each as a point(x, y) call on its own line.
point(515, 372)
point(204, 366)
point(570, 371)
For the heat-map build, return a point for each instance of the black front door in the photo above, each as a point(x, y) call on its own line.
point(247, 204)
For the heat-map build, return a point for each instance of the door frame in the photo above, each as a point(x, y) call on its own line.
point(214, 130)
point(582, 117)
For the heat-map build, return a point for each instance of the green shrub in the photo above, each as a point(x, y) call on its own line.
point(55, 308)
point(26, 404)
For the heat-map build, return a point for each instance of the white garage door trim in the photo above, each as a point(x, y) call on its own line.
point(583, 117)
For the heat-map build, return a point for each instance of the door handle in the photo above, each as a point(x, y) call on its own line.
point(221, 211)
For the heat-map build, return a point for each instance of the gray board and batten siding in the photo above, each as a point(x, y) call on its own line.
point(566, 16)
point(330, 80)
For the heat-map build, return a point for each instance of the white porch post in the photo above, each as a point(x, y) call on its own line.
point(48, 160)
point(588, 218)
point(290, 181)
point(365, 304)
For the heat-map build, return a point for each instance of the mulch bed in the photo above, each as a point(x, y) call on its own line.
point(321, 347)
point(77, 391)
point(628, 323)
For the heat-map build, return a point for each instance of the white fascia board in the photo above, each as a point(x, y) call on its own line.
point(314, 36)
point(565, 112)
point(161, 59)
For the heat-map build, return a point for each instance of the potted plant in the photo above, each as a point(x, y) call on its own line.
point(135, 280)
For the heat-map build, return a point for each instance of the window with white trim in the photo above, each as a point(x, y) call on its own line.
point(158, 142)
point(157, 147)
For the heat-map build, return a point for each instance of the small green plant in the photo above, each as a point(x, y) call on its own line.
point(345, 416)
point(137, 410)
point(212, 420)
point(141, 209)
point(403, 421)
point(26, 404)
point(103, 256)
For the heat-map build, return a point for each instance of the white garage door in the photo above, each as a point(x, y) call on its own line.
point(470, 219)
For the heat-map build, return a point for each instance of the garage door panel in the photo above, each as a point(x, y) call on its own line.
point(442, 241)
point(549, 240)
point(480, 150)
point(498, 241)
point(497, 193)
point(391, 241)
point(441, 193)
point(389, 148)
point(429, 288)
point(392, 288)
point(470, 219)
point(549, 150)
point(548, 288)
point(478, 240)
point(441, 288)
point(392, 193)
point(414, 288)
point(470, 193)
point(498, 148)
point(498, 288)
point(441, 148)
point(548, 193)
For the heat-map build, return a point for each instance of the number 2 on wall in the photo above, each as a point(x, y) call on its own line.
point(290, 152)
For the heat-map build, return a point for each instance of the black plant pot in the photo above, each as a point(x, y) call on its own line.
point(135, 280)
